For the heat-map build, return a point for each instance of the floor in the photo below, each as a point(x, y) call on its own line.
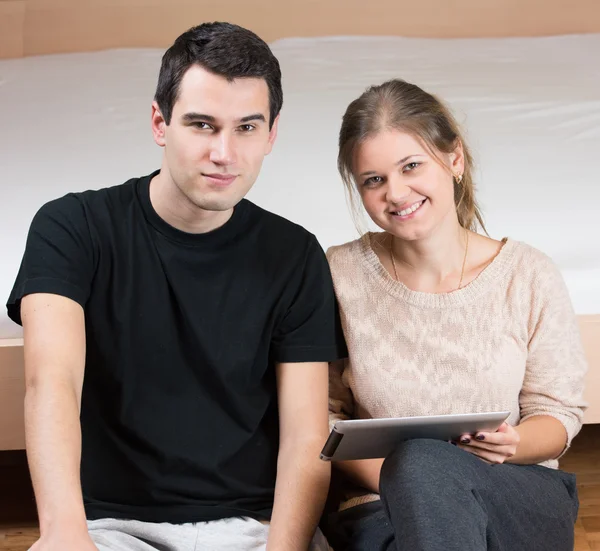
point(18, 527)
point(584, 460)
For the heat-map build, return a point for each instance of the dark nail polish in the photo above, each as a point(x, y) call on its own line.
point(465, 440)
point(480, 437)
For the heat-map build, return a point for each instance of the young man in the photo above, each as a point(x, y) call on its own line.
point(203, 325)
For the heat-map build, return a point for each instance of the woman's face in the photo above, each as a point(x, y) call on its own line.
point(405, 190)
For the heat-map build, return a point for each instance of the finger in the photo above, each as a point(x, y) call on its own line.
point(464, 438)
point(495, 438)
point(506, 451)
point(486, 455)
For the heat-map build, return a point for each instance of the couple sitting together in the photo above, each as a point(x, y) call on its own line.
point(182, 344)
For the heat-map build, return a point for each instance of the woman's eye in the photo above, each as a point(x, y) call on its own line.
point(411, 166)
point(372, 181)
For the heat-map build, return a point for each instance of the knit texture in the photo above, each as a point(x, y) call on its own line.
point(509, 340)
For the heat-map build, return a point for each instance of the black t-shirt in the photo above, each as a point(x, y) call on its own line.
point(179, 407)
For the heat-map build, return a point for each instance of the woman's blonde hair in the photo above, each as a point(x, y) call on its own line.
point(399, 105)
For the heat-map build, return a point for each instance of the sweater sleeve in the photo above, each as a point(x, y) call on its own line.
point(341, 401)
point(556, 364)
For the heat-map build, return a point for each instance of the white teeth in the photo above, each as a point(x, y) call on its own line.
point(411, 209)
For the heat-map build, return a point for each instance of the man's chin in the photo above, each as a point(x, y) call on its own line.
point(218, 200)
point(218, 204)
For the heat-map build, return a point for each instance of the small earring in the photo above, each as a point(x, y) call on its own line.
point(458, 178)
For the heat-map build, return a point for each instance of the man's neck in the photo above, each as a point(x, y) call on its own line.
point(178, 211)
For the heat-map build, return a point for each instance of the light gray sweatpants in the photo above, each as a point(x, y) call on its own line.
point(231, 534)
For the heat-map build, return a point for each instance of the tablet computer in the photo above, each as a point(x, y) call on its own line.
point(372, 438)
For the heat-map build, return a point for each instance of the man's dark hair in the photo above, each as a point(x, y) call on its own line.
point(224, 49)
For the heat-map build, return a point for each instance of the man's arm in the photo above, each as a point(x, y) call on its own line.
point(54, 334)
point(302, 477)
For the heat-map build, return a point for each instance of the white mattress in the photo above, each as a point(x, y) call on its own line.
point(531, 106)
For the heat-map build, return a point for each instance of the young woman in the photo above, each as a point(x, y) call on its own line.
point(440, 319)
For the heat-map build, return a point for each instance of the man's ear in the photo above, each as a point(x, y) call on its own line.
point(158, 125)
point(272, 135)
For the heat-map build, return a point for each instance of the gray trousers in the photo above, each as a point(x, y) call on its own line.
point(232, 534)
point(437, 497)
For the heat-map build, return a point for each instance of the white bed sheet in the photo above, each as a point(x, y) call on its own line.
point(531, 107)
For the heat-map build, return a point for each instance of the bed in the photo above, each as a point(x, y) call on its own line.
point(531, 107)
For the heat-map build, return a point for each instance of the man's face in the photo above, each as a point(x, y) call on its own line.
point(217, 138)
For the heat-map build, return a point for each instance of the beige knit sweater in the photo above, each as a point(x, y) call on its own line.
point(508, 340)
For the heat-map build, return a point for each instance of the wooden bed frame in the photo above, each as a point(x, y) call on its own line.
point(38, 27)
point(12, 383)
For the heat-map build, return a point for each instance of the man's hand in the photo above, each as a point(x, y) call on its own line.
point(65, 541)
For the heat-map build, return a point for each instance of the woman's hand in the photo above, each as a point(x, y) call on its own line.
point(493, 447)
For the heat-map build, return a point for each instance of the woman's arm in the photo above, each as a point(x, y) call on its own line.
point(535, 440)
point(364, 472)
point(551, 398)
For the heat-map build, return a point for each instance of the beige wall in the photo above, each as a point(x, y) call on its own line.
point(12, 394)
point(33, 27)
point(590, 334)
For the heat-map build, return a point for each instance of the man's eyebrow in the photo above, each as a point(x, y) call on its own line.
point(191, 117)
point(254, 117)
point(194, 117)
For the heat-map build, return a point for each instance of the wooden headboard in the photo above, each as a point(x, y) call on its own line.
point(35, 27)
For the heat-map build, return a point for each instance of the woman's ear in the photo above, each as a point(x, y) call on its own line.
point(457, 159)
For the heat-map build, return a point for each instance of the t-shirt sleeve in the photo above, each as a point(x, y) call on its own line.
point(58, 256)
point(310, 330)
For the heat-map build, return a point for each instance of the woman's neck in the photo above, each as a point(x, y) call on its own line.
point(435, 264)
